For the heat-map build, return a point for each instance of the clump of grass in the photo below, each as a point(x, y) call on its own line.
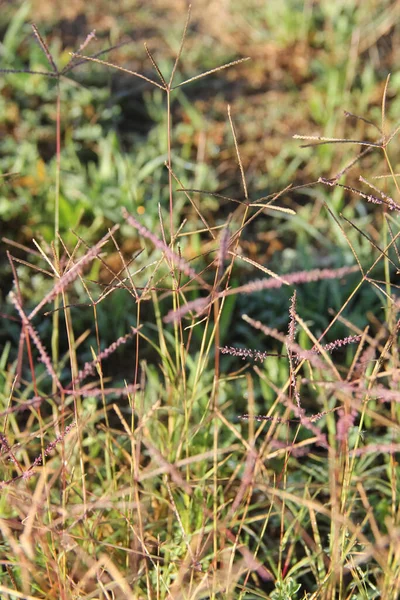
point(158, 485)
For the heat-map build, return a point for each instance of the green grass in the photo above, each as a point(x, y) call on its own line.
point(178, 420)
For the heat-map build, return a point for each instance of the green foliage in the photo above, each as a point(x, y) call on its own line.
point(285, 590)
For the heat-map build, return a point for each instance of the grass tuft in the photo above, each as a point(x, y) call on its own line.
point(194, 432)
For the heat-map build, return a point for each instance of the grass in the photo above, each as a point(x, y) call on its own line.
point(184, 412)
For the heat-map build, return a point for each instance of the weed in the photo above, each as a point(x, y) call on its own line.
point(129, 468)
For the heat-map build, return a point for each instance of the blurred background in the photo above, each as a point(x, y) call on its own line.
point(310, 62)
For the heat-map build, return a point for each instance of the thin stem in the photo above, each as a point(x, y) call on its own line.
point(169, 135)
